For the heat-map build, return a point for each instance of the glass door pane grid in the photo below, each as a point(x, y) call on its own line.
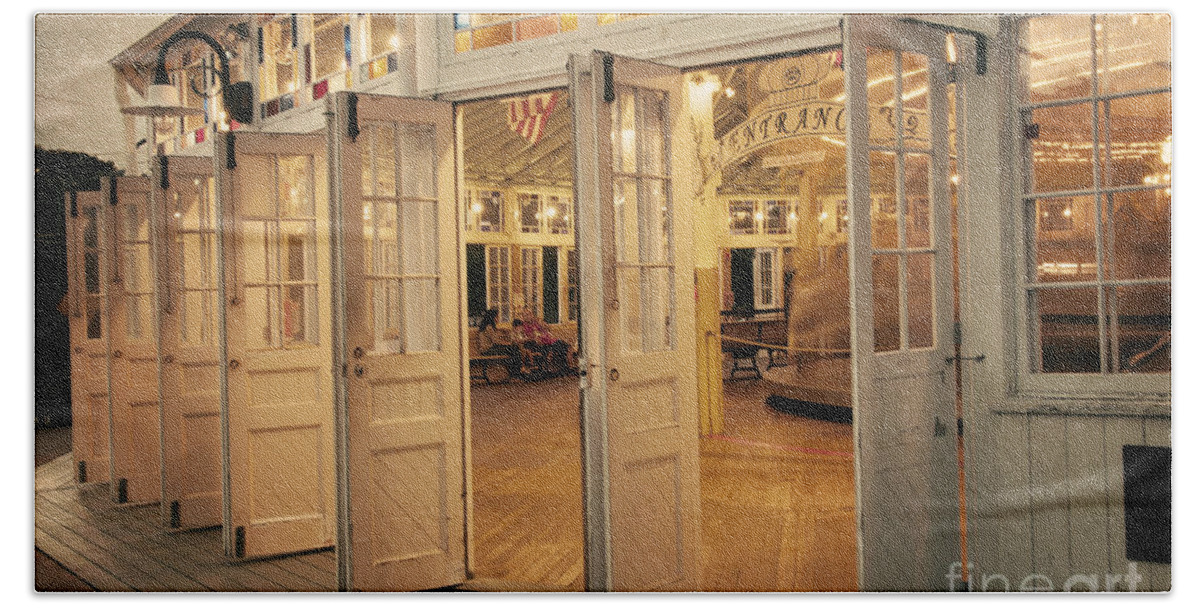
point(641, 168)
point(91, 285)
point(137, 285)
point(196, 271)
point(400, 229)
point(901, 149)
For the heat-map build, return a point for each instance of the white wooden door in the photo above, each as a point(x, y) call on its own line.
point(133, 347)
point(634, 233)
point(277, 414)
point(88, 261)
point(190, 358)
point(405, 372)
point(901, 303)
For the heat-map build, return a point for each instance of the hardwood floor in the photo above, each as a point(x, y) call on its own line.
point(777, 493)
point(777, 502)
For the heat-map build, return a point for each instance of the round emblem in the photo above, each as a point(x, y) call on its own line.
point(793, 76)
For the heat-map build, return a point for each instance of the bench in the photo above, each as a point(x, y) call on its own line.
point(489, 368)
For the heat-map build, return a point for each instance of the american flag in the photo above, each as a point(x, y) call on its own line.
point(527, 116)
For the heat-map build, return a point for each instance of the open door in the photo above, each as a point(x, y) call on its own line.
point(277, 411)
point(190, 360)
point(401, 414)
point(133, 346)
point(88, 263)
point(901, 304)
point(638, 362)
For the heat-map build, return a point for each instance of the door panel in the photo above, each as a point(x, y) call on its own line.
point(277, 414)
point(88, 262)
point(190, 361)
point(133, 347)
point(638, 325)
point(403, 393)
point(901, 298)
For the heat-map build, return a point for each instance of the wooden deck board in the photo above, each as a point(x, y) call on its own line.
point(124, 548)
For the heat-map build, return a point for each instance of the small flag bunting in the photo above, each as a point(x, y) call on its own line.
point(527, 117)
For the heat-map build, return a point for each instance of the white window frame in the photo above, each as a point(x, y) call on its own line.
point(1105, 385)
point(498, 270)
point(772, 289)
point(531, 279)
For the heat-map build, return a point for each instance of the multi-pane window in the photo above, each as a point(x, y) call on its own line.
point(93, 287)
point(278, 232)
point(556, 211)
point(400, 211)
point(741, 217)
point(1097, 193)
point(136, 280)
point(482, 30)
point(531, 278)
point(499, 282)
point(529, 212)
point(194, 218)
point(331, 45)
point(485, 211)
point(761, 216)
point(766, 278)
point(277, 72)
point(642, 206)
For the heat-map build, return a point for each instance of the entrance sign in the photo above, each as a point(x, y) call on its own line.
point(190, 357)
point(277, 410)
point(401, 344)
point(901, 302)
point(88, 262)
point(634, 235)
point(133, 346)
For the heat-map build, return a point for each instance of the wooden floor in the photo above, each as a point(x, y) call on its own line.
point(122, 548)
point(777, 501)
point(777, 492)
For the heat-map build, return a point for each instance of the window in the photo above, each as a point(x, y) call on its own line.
point(780, 217)
point(482, 30)
point(277, 73)
point(1097, 195)
point(92, 285)
point(766, 279)
point(137, 281)
point(741, 217)
point(278, 235)
point(557, 213)
point(195, 222)
point(498, 282)
point(331, 45)
point(529, 212)
point(531, 279)
point(400, 235)
point(485, 211)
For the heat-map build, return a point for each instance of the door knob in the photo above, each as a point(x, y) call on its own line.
point(116, 354)
point(169, 359)
point(614, 375)
point(358, 352)
point(359, 371)
point(234, 364)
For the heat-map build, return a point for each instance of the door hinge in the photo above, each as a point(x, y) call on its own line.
point(175, 523)
point(82, 472)
point(112, 191)
point(610, 91)
point(122, 490)
point(74, 204)
point(230, 152)
point(239, 542)
point(164, 177)
point(1033, 131)
point(957, 333)
point(960, 427)
point(352, 116)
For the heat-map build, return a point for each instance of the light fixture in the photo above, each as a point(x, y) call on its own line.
point(729, 92)
point(162, 98)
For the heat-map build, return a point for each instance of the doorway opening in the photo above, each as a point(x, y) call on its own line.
point(522, 283)
point(777, 450)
